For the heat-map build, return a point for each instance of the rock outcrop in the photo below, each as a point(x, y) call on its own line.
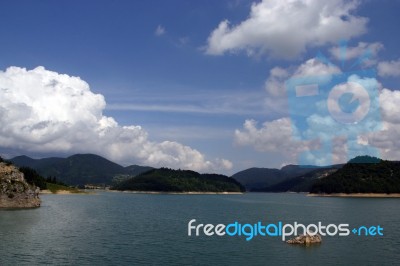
point(305, 239)
point(15, 192)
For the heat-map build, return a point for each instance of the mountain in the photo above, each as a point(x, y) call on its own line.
point(362, 174)
point(134, 170)
point(23, 161)
point(168, 180)
point(258, 178)
point(302, 183)
point(79, 169)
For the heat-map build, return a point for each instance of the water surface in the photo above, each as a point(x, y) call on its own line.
point(130, 229)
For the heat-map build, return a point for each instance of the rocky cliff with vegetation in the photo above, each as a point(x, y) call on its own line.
point(15, 192)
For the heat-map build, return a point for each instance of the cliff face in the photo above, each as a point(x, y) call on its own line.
point(15, 192)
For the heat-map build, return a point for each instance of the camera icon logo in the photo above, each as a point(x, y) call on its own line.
point(349, 103)
point(329, 107)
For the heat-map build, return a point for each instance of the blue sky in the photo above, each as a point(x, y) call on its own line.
point(157, 67)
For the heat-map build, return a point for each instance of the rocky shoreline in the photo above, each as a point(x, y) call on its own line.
point(15, 192)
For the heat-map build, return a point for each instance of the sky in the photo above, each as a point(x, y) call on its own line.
point(198, 85)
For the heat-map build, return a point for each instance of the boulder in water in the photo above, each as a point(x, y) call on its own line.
point(305, 239)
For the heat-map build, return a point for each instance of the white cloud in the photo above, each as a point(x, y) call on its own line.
point(276, 135)
point(282, 136)
point(273, 136)
point(390, 106)
point(285, 28)
point(279, 135)
point(389, 68)
point(43, 111)
point(160, 30)
point(357, 51)
point(314, 67)
point(387, 140)
point(275, 84)
point(276, 98)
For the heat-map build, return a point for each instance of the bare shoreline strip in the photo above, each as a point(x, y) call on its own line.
point(67, 192)
point(357, 195)
point(178, 193)
point(64, 192)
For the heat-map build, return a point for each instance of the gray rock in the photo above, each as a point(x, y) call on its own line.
point(15, 192)
point(305, 239)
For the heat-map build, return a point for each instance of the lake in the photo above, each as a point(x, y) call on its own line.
point(112, 228)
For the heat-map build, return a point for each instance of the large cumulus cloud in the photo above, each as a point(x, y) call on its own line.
point(43, 111)
point(285, 28)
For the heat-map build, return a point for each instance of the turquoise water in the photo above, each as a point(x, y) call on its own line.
point(133, 229)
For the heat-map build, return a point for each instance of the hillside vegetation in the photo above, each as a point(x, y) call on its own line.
point(375, 176)
point(302, 183)
point(168, 180)
point(258, 179)
point(79, 169)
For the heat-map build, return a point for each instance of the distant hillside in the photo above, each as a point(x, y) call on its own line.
point(302, 183)
point(26, 161)
point(168, 180)
point(376, 176)
point(79, 169)
point(259, 178)
point(134, 170)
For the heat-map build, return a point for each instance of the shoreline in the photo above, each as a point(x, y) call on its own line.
point(357, 195)
point(177, 193)
point(63, 192)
